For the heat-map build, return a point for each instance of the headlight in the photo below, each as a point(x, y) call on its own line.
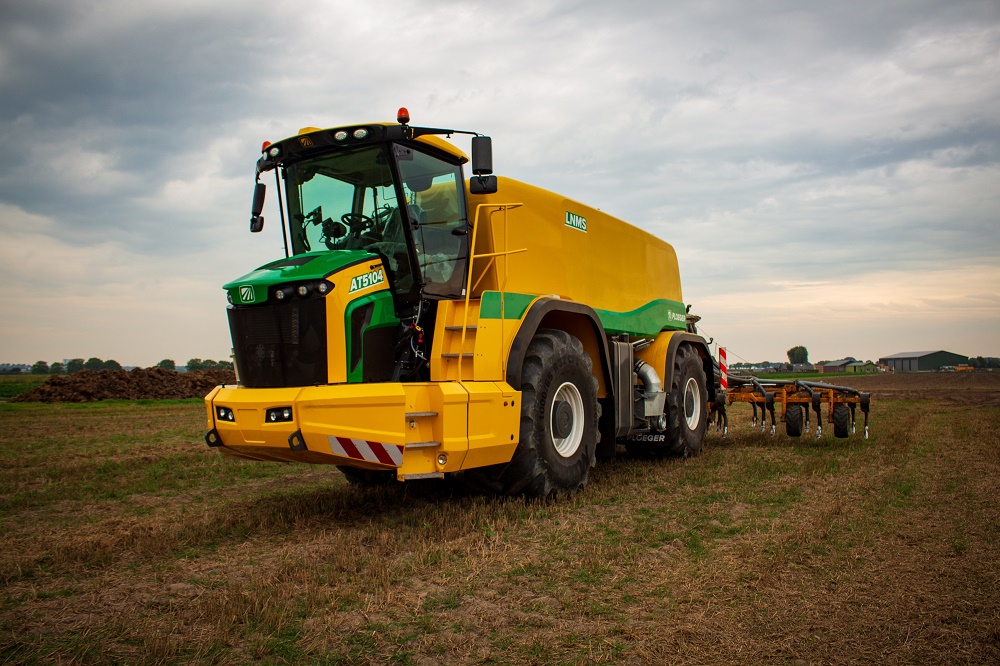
point(288, 292)
point(278, 415)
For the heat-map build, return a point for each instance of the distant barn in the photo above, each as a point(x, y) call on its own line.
point(922, 361)
point(835, 366)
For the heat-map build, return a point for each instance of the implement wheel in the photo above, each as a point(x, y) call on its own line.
point(841, 420)
point(793, 420)
point(559, 414)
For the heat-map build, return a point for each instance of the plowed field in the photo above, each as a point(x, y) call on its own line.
point(961, 387)
point(137, 384)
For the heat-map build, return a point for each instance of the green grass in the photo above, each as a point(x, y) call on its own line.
point(129, 540)
point(14, 385)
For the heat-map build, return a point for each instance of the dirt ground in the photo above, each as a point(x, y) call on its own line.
point(954, 387)
point(125, 539)
point(137, 384)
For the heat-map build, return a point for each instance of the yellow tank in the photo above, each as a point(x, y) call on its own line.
point(572, 250)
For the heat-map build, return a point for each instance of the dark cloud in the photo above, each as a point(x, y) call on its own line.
point(102, 104)
point(84, 59)
point(761, 138)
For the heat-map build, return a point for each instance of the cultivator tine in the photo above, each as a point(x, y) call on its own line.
point(719, 411)
point(853, 427)
point(865, 402)
point(769, 402)
point(817, 405)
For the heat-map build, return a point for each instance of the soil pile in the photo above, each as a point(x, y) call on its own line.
point(137, 384)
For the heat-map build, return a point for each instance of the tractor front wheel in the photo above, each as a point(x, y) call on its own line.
point(366, 477)
point(559, 414)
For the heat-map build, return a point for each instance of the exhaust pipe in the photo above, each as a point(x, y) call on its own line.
point(654, 398)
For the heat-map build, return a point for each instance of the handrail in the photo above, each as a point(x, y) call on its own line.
point(468, 281)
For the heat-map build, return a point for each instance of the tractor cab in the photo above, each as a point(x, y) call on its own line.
point(392, 190)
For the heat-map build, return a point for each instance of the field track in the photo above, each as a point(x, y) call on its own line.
point(126, 540)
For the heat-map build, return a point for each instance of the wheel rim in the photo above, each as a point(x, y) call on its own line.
point(692, 403)
point(569, 394)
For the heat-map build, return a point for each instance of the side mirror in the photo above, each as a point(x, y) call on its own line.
point(258, 199)
point(256, 219)
point(482, 155)
point(483, 185)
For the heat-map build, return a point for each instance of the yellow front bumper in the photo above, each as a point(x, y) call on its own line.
point(419, 430)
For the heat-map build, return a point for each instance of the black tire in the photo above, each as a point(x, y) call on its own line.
point(366, 477)
point(559, 416)
point(793, 420)
point(841, 421)
point(687, 411)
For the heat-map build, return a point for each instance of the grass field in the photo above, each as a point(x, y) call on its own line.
point(11, 385)
point(125, 539)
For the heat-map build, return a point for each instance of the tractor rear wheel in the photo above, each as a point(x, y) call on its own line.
point(687, 404)
point(841, 420)
point(793, 420)
point(686, 408)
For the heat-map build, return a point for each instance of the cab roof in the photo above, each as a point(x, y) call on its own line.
point(433, 140)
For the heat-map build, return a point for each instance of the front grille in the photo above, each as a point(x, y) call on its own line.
point(280, 344)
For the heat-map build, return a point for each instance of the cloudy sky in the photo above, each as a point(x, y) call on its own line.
point(829, 173)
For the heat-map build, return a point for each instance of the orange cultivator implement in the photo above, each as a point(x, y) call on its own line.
point(796, 398)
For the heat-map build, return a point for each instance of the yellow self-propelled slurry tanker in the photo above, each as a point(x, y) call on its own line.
point(423, 325)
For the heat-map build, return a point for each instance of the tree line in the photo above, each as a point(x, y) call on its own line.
point(77, 364)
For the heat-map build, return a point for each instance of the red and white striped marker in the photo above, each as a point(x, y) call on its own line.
point(362, 449)
point(724, 379)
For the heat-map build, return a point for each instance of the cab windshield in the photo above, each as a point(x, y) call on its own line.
point(392, 200)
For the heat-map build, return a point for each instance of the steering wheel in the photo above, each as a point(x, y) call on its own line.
point(357, 223)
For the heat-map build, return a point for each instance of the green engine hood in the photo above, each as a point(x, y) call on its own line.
point(300, 268)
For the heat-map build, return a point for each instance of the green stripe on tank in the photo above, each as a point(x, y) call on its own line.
point(646, 321)
point(514, 305)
